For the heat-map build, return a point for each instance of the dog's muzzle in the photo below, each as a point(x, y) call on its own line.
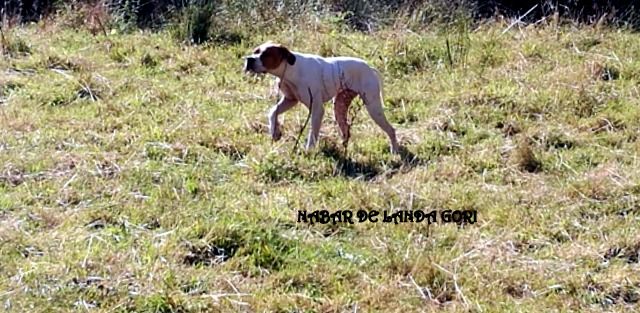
point(249, 64)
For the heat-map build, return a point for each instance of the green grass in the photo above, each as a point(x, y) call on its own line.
point(136, 175)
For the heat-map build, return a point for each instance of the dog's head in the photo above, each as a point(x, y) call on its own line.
point(267, 57)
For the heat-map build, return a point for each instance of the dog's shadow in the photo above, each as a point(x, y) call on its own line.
point(369, 170)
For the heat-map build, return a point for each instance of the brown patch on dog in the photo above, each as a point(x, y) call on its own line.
point(271, 57)
point(341, 108)
point(274, 54)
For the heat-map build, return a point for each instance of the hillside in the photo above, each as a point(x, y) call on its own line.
point(136, 174)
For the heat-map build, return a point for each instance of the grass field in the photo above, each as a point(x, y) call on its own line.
point(136, 175)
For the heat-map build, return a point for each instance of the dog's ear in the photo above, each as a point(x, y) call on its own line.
point(287, 55)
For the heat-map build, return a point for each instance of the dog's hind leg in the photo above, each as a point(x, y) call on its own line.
point(373, 103)
point(341, 105)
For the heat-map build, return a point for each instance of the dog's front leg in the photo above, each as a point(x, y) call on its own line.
point(317, 113)
point(283, 105)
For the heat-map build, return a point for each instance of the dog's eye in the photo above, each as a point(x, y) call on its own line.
point(256, 51)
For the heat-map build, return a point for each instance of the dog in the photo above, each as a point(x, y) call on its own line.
point(314, 80)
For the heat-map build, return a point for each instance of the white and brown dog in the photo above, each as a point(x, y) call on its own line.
point(311, 78)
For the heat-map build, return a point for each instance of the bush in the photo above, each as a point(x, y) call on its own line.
point(358, 14)
point(198, 24)
point(194, 24)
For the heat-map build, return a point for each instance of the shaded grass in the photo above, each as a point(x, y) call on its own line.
point(163, 192)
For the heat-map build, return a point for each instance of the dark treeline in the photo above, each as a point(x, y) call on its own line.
point(151, 13)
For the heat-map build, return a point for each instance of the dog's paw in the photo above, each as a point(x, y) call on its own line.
point(276, 135)
point(345, 143)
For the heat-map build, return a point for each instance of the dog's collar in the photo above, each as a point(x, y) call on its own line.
point(284, 71)
point(288, 83)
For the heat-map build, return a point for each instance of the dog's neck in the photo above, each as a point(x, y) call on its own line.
point(281, 70)
point(285, 80)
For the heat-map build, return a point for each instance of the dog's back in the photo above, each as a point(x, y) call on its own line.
point(360, 73)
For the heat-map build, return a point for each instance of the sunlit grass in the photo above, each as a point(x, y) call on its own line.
point(136, 175)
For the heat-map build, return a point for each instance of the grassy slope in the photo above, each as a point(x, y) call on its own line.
point(119, 202)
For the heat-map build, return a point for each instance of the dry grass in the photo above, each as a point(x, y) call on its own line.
point(136, 176)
